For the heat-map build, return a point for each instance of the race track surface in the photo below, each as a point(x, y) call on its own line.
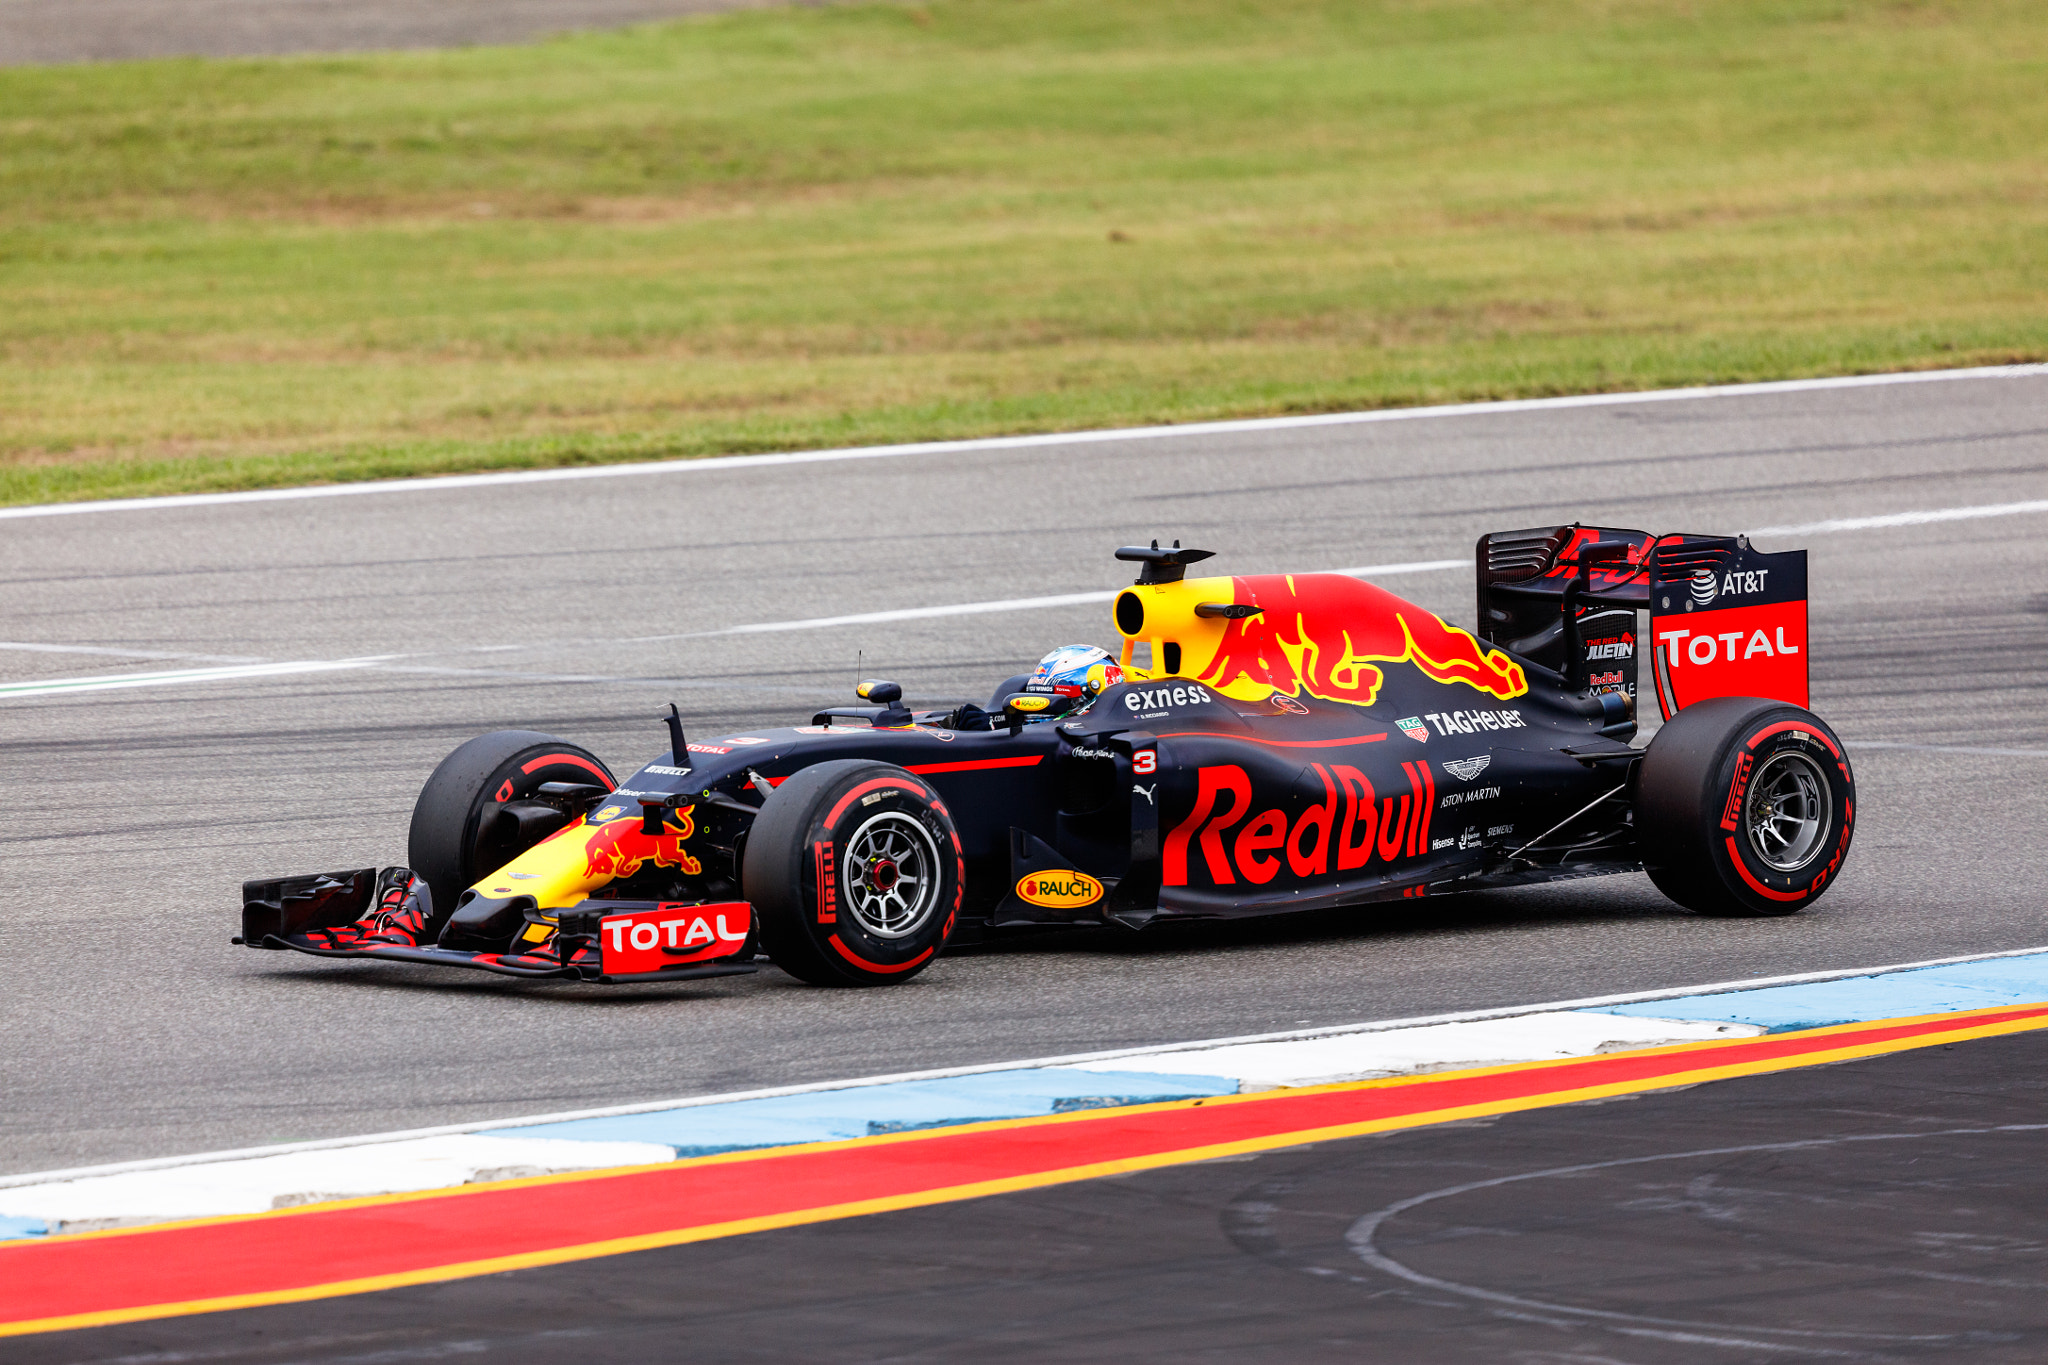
point(34, 31)
point(138, 1031)
point(1885, 1210)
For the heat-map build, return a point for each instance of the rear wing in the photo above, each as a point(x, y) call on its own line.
point(1724, 619)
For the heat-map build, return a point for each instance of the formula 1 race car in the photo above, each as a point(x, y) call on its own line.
point(1262, 744)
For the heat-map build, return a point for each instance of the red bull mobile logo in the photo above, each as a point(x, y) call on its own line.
point(1327, 634)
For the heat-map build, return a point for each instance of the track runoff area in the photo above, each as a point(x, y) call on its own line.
point(727, 1167)
point(1440, 1181)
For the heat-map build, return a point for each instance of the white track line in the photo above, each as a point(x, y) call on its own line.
point(1947, 749)
point(942, 1073)
point(156, 654)
point(869, 618)
point(1070, 599)
point(453, 483)
point(388, 662)
point(65, 686)
point(1891, 519)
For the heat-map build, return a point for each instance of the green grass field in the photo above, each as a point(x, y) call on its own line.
point(880, 222)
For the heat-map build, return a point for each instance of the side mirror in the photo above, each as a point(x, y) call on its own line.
point(889, 696)
point(879, 691)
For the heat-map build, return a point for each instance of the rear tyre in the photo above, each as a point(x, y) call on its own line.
point(855, 874)
point(1744, 807)
point(461, 825)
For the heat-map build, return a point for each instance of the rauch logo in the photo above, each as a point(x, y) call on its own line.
point(1059, 890)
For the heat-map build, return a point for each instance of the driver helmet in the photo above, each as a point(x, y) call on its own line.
point(1075, 671)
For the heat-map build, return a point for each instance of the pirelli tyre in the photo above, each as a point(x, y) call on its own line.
point(480, 809)
point(855, 873)
point(1744, 807)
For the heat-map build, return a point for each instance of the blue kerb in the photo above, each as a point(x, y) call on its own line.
point(862, 1111)
point(23, 1227)
point(1860, 999)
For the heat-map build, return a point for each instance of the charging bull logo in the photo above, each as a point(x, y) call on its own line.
point(1328, 634)
point(619, 848)
point(1343, 832)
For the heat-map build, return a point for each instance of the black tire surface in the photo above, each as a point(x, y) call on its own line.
point(799, 844)
point(1694, 793)
point(480, 775)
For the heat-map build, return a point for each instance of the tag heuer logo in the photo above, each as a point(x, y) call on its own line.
point(1412, 727)
point(1465, 769)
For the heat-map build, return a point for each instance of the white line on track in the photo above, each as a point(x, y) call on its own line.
point(456, 482)
point(389, 662)
point(1892, 519)
point(104, 653)
point(1947, 749)
point(385, 663)
point(942, 1073)
point(1004, 604)
point(65, 686)
point(56, 686)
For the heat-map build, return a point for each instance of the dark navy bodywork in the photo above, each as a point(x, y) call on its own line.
point(1068, 793)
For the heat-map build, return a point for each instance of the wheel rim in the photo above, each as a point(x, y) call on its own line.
point(1788, 813)
point(890, 875)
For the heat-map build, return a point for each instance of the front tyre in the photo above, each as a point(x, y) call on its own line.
point(855, 874)
point(478, 812)
point(1744, 807)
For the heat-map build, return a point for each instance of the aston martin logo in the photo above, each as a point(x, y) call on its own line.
point(1465, 769)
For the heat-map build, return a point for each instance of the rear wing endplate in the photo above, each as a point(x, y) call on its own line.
point(1724, 618)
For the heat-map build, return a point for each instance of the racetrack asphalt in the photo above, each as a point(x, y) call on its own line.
point(1885, 1210)
point(135, 1030)
point(39, 31)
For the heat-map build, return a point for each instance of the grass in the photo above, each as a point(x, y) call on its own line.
point(881, 222)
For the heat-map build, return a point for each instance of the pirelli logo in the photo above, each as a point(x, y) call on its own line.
point(1731, 813)
point(828, 883)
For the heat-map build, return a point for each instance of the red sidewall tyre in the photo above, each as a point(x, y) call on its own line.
point(1745, 807)
point(470, 784)
point(855, 873)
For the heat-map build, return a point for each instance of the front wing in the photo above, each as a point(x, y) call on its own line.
point(607, 942)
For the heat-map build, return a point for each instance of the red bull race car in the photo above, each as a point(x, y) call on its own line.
point(1261, 744)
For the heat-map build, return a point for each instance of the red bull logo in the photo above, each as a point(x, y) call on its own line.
point(619, 848)
point(1609, 575)
point(1342, 833)
point(1329, 635)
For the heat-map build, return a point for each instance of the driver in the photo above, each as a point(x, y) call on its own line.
point(1077, 671)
